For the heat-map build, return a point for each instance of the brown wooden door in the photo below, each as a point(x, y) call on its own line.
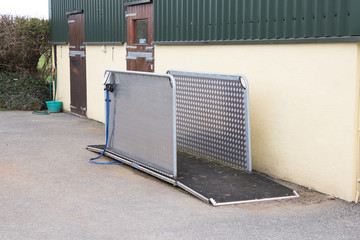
point(140, 49)
point(77, 55)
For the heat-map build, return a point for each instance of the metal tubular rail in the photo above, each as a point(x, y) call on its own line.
point(213, 116)
point(142, 123)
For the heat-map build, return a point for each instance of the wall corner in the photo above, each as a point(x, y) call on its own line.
point(357, 130)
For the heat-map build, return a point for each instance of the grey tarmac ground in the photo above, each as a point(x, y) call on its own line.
point(48, 190)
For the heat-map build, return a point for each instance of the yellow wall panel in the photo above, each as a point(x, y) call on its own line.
point(63, 76)
point(99, 59)
point(302, 103)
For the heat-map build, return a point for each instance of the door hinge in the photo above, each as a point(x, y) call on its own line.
point(134, 55)
point(76, 53)
point(130, 15)
point(73, 107)
point(131, 47)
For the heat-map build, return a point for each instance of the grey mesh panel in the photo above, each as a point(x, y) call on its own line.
point(142, 120)
point(213, 117)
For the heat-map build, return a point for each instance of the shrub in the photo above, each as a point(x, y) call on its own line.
point(23, 41)
point(19, 91)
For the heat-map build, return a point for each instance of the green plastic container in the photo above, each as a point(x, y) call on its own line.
point(53, 106)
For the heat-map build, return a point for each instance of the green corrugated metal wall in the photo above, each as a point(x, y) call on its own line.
point(253, 20)
point(104, 20)
point(135, 2)
point(216, 21)
point(58, 19)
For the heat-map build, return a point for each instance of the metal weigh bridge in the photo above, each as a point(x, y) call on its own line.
point(188, 129)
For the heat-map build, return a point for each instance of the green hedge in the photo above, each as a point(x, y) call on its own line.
point(24, 84)
point(19, 91)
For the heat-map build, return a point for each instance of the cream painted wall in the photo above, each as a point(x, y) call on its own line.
point(97, 61)
point(303, 105)
point(63, 76)
point(357, 127)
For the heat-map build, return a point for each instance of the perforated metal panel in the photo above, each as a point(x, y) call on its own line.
point(142, 120)
point(212, 117)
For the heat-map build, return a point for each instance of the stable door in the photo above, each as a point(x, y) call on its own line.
point(77, 56)
point(140, 48)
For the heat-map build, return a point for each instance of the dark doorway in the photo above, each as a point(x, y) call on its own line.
point(77, 53)
point(140, 49)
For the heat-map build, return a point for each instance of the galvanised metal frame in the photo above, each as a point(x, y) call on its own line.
point(213, 116)
point(183, 186)
point(216, 204)
point(210, 114)
point(142, 125)
point(130, 162)
point(176, 79)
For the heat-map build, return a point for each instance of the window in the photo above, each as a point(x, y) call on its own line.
point(141, 31)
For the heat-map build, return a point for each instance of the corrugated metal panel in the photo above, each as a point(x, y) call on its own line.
point(355, 16)
point(104, 20)
point(58, 20)
point(135, 2)
point(251, 20)
point(216, 21)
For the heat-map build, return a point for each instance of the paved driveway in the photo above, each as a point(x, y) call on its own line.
point(48, 190)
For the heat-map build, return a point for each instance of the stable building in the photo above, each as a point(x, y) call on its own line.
point(301, 58)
